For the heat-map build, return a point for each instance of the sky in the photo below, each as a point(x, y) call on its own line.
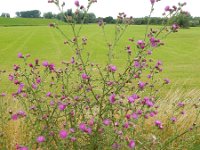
point(103, 8)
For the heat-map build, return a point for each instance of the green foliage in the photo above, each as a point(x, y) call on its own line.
point(48, 15)
point(5, 15)
point(109, 20)
point(29, 14)
point(183, 20)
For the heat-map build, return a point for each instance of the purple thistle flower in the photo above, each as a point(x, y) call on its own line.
point(48, 94)
point(112, 68)
point(20, 55)
point(34, 86)
point(16, 67)
point(152, 2)
point(51, 67)
point(62, 106)
point(23, 148)
point(181, 104)
point(131, 144)
point(84, 76)
point(38, 80)
point(158, 123)
point(132, 98)
point(45, 63)
point(134, 116)
point(167, 8)
point(11, 77)
point(173, 119)
point(112, 98)
point(141, 85)
point(82, 126)
point(3, 94)
point(166, 81)
point(136, 64)
point(73, 139)
point(106, 122)
point(126, 125)
point(63, 134)
point(14, 117)
point(40, 139)
point(141, 44)
point(77, 3)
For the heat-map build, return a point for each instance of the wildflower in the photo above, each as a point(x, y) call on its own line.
point(20, 55)
point(159, 124)
point(38, 80)
point(52, 25)
point(62, 106)
point(84, 76)
point(50, 1)
point(34, 86)
point(167, 8)
point(3, 94)
point(45, 63)
point(134, 116)
point(166, 81)
point(14, 117)
point(51, 67)
point(112, 98)
point(132, 98)
point(116, 146)
point(106, 122)
point(48, 94)
point(63, 134)
point(136, 64)
point(126, 125)
point(11, 77)
point(149, 52)
point(181, 104)
point(152, 2)
point(40, 139)
point(141, 85)
point(23, 148)
point(77, 3)
point(175, 27)
point(139, 112)
point(82, 126)
point(36, 61)
point(16, 67)
point(112, 68)
point(173, 119)
point(128, 116)
point(73, 139)
point(131, 144)
point(141, 44)
point(91, 122)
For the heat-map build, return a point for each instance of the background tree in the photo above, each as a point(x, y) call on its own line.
point(109, 20)
point(182, 19)
point(48, 15)
point(5, 15)
point(29, 14)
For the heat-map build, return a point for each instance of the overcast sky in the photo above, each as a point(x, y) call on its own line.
point(103, 8)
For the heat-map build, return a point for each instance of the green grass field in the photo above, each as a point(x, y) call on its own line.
point(180, 55)
point(27, 21)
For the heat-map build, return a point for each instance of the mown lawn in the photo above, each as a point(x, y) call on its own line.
point(180, 55)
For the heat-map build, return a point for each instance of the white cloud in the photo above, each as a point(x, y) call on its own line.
point(135, 8)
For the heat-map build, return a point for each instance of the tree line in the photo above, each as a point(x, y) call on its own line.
point(182, 20)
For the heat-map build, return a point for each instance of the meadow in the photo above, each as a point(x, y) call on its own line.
point(180, 55)
point(42, 112)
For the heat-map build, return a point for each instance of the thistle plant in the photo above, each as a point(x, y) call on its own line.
point(84, 105)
